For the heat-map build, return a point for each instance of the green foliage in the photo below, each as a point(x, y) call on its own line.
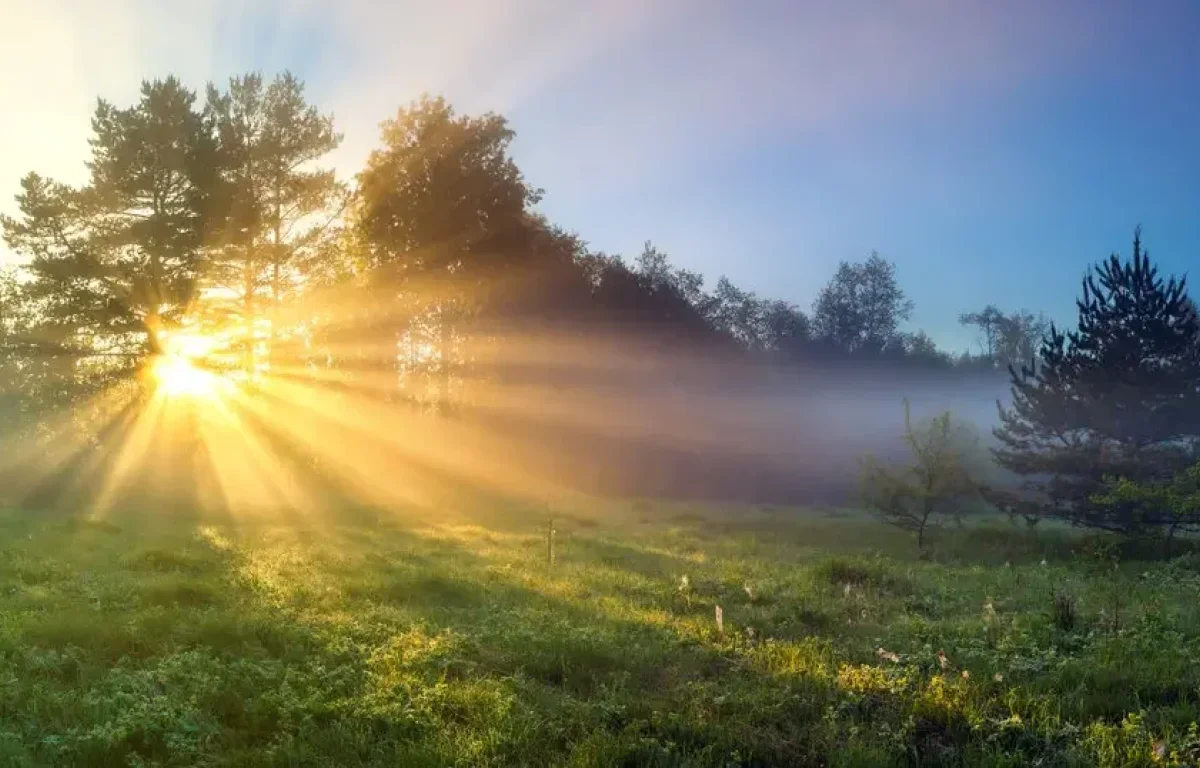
point(1117, 397)
point(936, 482)
point(273, 208)
point(1063, 610)
point(161, 643)
point(116, 260)
point(1165, 507)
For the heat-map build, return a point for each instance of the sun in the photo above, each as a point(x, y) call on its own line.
point(175, 370)
point(178, 376)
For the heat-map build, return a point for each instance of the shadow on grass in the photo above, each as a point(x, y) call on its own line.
point(258, 645)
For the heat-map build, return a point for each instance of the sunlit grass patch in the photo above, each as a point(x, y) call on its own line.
point(462, 644)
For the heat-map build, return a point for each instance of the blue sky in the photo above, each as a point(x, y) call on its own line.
point(991, 149)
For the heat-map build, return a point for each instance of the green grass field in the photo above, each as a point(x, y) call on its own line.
point(383, 641)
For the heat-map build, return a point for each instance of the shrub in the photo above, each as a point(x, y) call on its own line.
point(1167, 507)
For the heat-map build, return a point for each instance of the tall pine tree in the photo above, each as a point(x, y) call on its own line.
point(1117, 397)
point(114, 264)
point(276, 204)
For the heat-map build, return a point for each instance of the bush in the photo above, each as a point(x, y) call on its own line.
point(1167, 508)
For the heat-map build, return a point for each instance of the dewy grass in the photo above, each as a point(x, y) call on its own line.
point(189, 643)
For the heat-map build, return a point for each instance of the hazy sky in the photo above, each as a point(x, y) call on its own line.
point(992, 149)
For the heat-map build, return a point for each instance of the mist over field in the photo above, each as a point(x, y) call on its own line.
point(348, 416)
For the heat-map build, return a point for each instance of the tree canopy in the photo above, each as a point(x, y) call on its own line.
point(1119, 396)
point(216, 231)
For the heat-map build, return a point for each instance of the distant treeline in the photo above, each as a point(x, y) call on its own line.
point(432, 284)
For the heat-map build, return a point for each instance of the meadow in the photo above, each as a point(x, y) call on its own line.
point(375, 639)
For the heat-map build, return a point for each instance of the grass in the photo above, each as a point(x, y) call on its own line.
point(372, 640)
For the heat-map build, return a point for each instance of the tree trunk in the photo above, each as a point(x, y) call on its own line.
point(276, 301)
point(444, 361)
point(276, 280)
point(153, 325)
point(248, 312)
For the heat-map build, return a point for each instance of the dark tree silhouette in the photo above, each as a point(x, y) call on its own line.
point(275, 207)
point(1007, 340)
point(862, 307)
point(115, 263)
point(438, 209)
point(439, 286)
point(1117, 397)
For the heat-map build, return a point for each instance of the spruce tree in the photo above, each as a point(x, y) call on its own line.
point(1119, 397)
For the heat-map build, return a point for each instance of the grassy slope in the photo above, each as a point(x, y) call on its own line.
point(378, 642)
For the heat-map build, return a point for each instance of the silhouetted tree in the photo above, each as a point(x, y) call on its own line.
point(1019, 336)
point(1118, 397)
point(989, 321)
point(437, 208)
point(1007, 340)
point(275, 205)
point(786, 331)
point(113, 264)
point(860, 310)
point(920, 349)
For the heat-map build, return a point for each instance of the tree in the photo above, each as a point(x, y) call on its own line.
point(989, 321)
point(114, 264)
point(862, 307)
point(1007, 340)
point(17, 366)
point(1117, 397)
point(920, 348)
point(786, 331)
point(738, 313)
point(276, 205)
point(654, 303)
point(935, 482)
point(655, 267)
point(1171, 506)
point(1019, 336)
point(441, 215)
